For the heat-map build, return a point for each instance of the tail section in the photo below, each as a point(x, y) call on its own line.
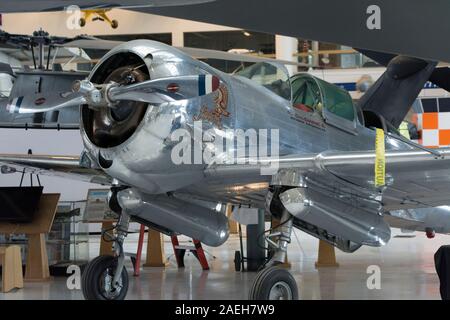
point(396, 90)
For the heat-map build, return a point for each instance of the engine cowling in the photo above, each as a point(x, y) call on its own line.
point(110, 127)
point(131, 140)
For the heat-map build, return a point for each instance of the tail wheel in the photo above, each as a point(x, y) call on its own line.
point(82, 22)
point(97, 280)
point(114, 24)
point(274, 283)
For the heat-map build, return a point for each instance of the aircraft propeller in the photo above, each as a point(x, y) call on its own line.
point(155, 92)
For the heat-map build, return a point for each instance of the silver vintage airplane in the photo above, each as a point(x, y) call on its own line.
point(325, 165)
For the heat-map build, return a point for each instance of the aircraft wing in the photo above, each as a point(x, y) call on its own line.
point(222, 55)
point(414, 179)
point(60, 166)
point(371, 25)
point(7, 6)
point(197, 53)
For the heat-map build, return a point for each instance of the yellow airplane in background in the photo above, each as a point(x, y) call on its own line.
point(97, 15)
point(90, 8)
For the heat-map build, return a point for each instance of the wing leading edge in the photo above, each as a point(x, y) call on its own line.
point(52, 165)
point(414, 179)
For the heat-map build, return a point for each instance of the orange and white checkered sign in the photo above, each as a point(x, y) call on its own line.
point(435, 127)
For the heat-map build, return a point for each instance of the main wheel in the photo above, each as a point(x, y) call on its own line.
point(114, 24)
point(82, 22)
point(274, 283)
point(97, 278)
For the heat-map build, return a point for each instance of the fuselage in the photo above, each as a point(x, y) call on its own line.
point(144, 159)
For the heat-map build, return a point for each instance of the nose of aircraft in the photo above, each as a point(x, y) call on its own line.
point(113, 126)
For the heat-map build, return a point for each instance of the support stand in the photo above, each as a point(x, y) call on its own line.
point(37, 260)
point(137, 259)
point(197, 251)
point(327, 255)
point(11, 262)
point(256, 254)
point(106, 247)
point(155, 251)
point(156, 257)
point(234, 226)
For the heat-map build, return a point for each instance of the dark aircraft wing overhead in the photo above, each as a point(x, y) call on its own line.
point(441, 77)
point(60, 166)
point(7, 6)
point(411, 27)
point(415, 179)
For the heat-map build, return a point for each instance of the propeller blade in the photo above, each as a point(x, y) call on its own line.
point(154, 92)
point(166, 90)
point(41, 103)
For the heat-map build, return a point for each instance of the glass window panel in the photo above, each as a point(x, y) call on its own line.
point(429, 105)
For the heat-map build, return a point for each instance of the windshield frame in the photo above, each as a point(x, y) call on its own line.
point(281, 75)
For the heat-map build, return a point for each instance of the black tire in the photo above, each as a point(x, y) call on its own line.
point(237, 261)
point(82, 22)
point(271, 281)
point(114, 24)
point(92, 280)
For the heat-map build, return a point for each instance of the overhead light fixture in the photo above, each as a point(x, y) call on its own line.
point(247, 34)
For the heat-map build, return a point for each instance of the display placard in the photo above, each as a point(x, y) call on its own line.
point(97, 208)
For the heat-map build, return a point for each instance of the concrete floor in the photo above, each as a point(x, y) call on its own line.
point(407, 272)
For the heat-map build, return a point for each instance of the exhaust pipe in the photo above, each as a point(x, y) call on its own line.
point(200, 223)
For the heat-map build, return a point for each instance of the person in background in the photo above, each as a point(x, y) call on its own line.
point(408, 128)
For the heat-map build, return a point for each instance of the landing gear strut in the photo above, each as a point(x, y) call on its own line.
point(274, 282)
point(105, 277)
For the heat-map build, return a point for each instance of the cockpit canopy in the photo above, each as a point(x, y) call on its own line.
point(311, 94)
point(306, 93)
point(272, 76)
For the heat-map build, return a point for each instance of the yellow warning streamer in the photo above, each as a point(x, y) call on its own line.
point(380, 159)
